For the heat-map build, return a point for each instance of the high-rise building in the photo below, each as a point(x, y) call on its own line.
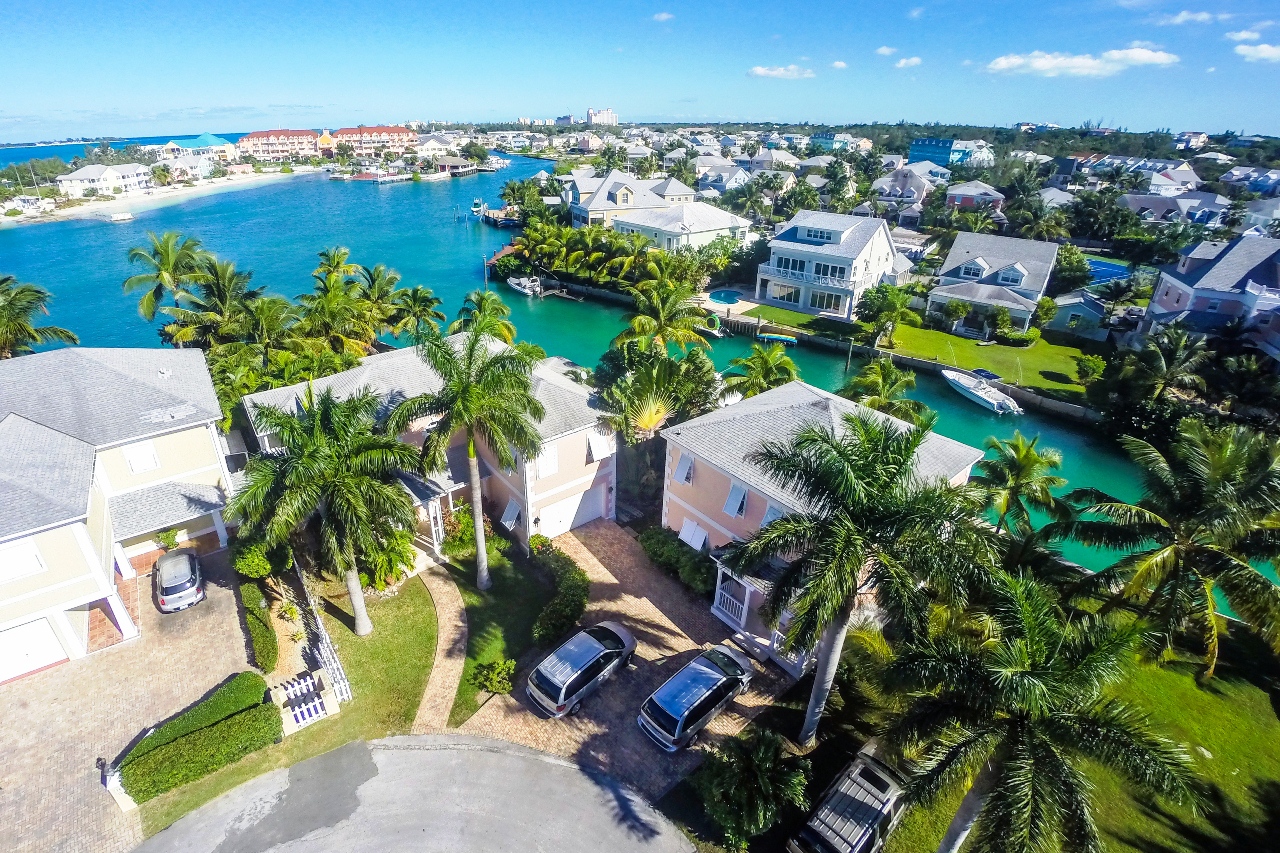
point(602, 118)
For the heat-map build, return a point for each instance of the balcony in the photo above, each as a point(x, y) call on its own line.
point(779, 274)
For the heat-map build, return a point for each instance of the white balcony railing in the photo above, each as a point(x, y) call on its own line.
point(807, 278)
point(734, 608)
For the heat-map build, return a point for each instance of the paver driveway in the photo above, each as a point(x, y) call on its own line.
point(671, 627)
point(57, 723)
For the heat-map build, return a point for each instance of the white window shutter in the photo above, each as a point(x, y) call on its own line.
point(693, 535)
point(736, 504)
point(771, 514)
point(548, 462)
point(141, 457)
point(684, 469)
point(511, 516)
point(600, 445)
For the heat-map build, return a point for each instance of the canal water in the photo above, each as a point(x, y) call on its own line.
point(423, 231)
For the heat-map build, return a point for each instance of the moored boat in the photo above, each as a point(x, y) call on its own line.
point(531, 286)
point(982, 392)
point(477, 207)
point(770, 337)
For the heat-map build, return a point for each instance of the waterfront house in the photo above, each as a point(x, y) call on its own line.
point(973, 194)
point(279, 144)
point(126, 179)
point(204, 145)
point(713, 496)
point(572, 481)
point(100, 450)
point(188, 167)
point(977, 153)
point(372, 141)
point(1196, 207)
point(987, 272)
point(687, 224)
point(596, 200)
point(822, 263)
point(433, 145)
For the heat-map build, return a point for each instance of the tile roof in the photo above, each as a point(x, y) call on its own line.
point(692, 218)
point(1231, 266)
point(726, 436)
point(1036, 257)
point(162, 506)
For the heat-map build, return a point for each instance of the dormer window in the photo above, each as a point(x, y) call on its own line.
point(971, 271)
point(818, 234)
point(1010, 277)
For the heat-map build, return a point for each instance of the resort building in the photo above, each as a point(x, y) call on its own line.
point(374, 140)
point(713, 496)
point(189, 167)
point(822, 263)
point(127, 179)
point(204, 145)
point(602, 118)
point(572, 481)
point(279, 144)
point(100, 450)
point(965, 152)
point(987, 272)
point(687, 224)
point(596, 200)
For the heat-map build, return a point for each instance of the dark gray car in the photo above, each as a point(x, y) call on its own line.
point(574, 671)
point(678, 710)
point(178, 580)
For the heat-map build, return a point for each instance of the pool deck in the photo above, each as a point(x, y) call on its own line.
point(742, 306)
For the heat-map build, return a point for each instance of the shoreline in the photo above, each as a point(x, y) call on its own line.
point(159, 197)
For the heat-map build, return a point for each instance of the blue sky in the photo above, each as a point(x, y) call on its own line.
point(91, 67)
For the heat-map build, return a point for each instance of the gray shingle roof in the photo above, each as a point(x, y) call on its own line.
point(44, 476)
point(162, 506)
point(726, 436)
point(1232, 265)
point(984, 294)
point(1036, 257)
point(857, 231)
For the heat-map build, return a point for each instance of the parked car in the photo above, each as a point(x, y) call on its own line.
point(179, 582)
point(571, 673)
point(682, 707)
point(857, 811)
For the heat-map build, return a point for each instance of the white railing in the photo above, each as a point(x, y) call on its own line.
point(807, 278)
point(733, 607)
point(778, 639)
point(322, 646)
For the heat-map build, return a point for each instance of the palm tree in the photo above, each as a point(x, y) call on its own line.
point(977, 221)
point(890, 307)
point(19, 304)
point(1037, 221)
point(334, 262)
point(486, 393)
point(871, 525)
point(1171, 360)
point(746, 782)
point(765, 368)
point(1245, 379)
point(414, 310)
point(266, 326)
point(1116, 292)
point(1020, 710)
point(1207, 516)
point(332, 467)
point(377, 294)
point(209, 314)
point(485, 307)
point(665, 313)
point(883, 386)
point(1018, 479)
point(334, 315)
point(174, 264)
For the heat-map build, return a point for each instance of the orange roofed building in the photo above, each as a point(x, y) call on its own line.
point(372, 140)
point(279, 144)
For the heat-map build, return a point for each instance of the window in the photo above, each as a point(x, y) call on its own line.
point(971, 271)
point(599, 446)
point(20, 560)
point(141, 457)
point(1264, 320)
point(785, 293)
point(548, 462)
point(1010, 277)
point(736, 504)
point(684, 469)
point(818, 234)
point(693, 535)
point(793, 264)
point(1214, 305)
point(511, 516)
point(828, 270)
point(771, 515)
point(824, 301)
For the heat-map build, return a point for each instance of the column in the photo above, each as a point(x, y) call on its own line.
point(71, 642)
point(220, 526)
point(121, 614)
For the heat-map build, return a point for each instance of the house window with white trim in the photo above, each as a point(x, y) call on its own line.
point(971, 271)
point(141, 457)
point(824, 301)
point(684, 469)
point(784, 293)
point(735, 506)
point(828, 270)
point(548, 462)
point(1012, 278)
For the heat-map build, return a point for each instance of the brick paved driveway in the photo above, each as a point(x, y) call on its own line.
point(56, 723)
point(671, 626)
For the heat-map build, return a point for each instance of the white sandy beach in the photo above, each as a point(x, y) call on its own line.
point(156, 197)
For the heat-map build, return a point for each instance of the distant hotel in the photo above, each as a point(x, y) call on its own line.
point(279, 144)
point(364, 141)
point(602, 118)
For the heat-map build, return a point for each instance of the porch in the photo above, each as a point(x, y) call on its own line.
point(737, 602)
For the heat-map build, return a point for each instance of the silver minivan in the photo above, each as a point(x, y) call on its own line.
point(179, 582)
point(571, 673)
point(857, 811)
point(682, 707)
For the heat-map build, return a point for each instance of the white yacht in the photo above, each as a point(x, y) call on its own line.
point(982, 392)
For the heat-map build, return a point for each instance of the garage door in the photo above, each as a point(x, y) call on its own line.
point(567, 514)
point(27, 648)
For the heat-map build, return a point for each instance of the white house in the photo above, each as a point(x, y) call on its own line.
point(693, 224)
point(128, 179)
point(596, 200)
point(187, 166)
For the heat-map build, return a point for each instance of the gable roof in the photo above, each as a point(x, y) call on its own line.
point(727, 436)
point(997, 252)
point(975, 188)
point(692, 218)
point(1233, 265)
point(857, 231)
point(985, 294)
point(44, 476)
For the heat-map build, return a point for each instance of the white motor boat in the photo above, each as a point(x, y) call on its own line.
point(982, 392)
point(531, 286)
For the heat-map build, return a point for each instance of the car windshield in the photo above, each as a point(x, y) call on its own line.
point(724, 663)
point(660, 718)
point(545, 685)
point(606, 638)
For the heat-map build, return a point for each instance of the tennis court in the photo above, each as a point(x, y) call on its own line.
point(1105, 271)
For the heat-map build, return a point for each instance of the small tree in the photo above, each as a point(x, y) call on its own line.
point(1089, 368)
point(956, 310)
point(747, 782)
point(1046, 309)
point(1070, 272)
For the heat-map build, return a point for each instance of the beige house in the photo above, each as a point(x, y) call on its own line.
point(371, 141)
point(572, 481)
point(100, 449)
point(713, 496)
point(693, 224)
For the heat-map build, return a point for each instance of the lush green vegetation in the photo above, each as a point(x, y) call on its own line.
point(239, 693)
point(814, 325)
point(257, 621)
point(572, 590)
point(694, 568)
point(19, 306)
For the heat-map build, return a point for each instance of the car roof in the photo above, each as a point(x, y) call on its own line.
point(175, 566)
point(687, 686)
point(571, 658)
point(852, 807)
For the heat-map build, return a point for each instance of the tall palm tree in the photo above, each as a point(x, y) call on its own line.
point(1172, 360)
point(644, 400)
point(871, 525)
point(891, 308)
point(883, 386)
point(209, 313)
point(1116, 292)
point(665, 313)
point(415, 309)
point(266, 326)
point(173, 265)
point(335, 468)
point(977, 221)
point(334, 262)
point(1019, 711)
point(1018, 479)
point(765, 368)
point(334, 315)
point(746, 783)
point(1244, 379)
point(486, 393)
point(19, 304)
point(377, 294)
point(1208, 514)
point(485, 307)
point(1037, 221)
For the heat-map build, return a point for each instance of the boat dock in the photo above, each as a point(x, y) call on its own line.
point(401, 178)
point(505, 218)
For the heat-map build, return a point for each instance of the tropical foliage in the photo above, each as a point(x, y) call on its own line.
point(19, 305)
point(883, 386)
point(764, 368)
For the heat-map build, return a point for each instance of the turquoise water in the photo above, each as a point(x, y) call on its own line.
point(276, 231)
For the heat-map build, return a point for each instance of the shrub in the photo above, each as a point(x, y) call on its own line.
point(13, 211)
point(1089, 368)
point(168, 539)
point(243, 691)
point(252, 559)
point(1009, 337)
point(572, 589)
point(694, 568)
point(494, 677)
point(460, 529)
point(201, 752)
point(257, 620)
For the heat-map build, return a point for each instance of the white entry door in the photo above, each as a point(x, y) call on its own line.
point(563, 516)
point(27, 648)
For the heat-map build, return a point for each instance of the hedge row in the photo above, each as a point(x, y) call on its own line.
point(572, 588)
point(257, 618)
point(241, 692)
point(1011, 338)
point(667, 552)
point(201, 752)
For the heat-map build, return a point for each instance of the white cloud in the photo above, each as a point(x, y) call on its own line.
point(1079, 65)
point(916, 12)
point(1185, 17)
point(907, 62)
point(839, 63)
point(1210, 70)
point(663, 16)
point(1147, 44)
point(1259, 52)
point(781, 72)
point(1244, 35)
point(885, 50)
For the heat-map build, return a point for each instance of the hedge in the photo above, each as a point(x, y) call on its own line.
point(667, 552)
point(1011, 338)
point(201, 752)
point(572, 588)
point(257, 619)
point(243, 691)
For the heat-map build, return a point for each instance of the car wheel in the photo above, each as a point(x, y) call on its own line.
point(627, 661)
point(577, 706)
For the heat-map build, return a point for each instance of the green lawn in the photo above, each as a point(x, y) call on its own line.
point(824, 326)
point(388, 671)
point(499, 621)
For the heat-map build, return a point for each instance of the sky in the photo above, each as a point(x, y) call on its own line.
point(137, 67)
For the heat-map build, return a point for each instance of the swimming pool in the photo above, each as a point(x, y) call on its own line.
point(724, 297)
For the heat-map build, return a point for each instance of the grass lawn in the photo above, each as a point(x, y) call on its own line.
point(499, 621)
point(388, 671)
point(824, 326)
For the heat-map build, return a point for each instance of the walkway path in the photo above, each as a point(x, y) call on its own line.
point(451, 650)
